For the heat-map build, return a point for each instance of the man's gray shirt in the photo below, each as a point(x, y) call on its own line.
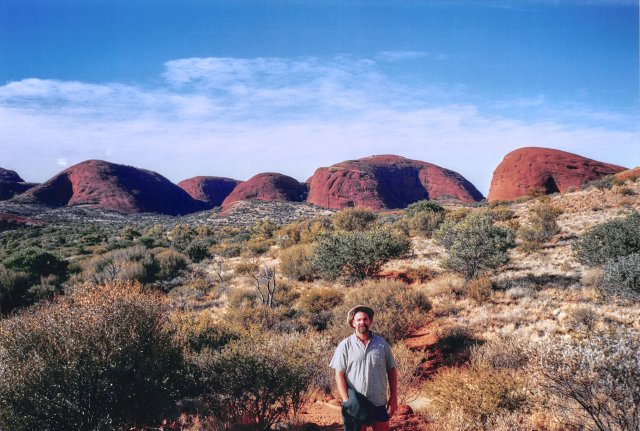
point(365, 368)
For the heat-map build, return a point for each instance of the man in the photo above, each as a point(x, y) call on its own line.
point(363, 363)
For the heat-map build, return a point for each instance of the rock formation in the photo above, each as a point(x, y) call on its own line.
point(268, 187)
point(211, 191)
point(11, 184)
point(532, 169)
point(109, 186)
point(386, 182)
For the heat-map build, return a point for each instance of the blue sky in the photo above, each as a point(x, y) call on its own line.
point(234, 88)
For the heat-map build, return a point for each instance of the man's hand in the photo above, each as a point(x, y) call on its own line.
point(392, 405)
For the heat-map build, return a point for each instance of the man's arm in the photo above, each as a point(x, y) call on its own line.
point(392, 405)
point(341, 382)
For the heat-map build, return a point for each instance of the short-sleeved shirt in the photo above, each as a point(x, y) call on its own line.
point(365, 368)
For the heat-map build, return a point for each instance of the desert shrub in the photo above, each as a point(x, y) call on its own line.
point(13, 290)
point(475, 245)
point(196, 331)
point(420, 273)
point(260, 379)
point(98, 359)
point(502, 213)
point(409, 373)
point(302, 232)
point(246, 267)
point(620, 237)
point(423, 206)
point(622, 276)
point(479, 289)
point(457, 215)
point(424, 223)
point(542, 225)
point(198, 251)
point(591, 383)
point(263, 229)
point(315, 300)
point(582, 318)
point(170, 263)
point(297, 262)
point(492, 386)
point(258, 246)
point(318, 305)
point(129, 264)
point(354, 219)
point(604, 183)
point(399, 309)
point(37, 263)
point(356, 255)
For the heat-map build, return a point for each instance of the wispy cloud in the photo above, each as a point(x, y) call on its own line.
point(237, 117)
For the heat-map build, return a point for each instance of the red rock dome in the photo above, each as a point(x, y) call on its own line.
point(268, 187)
point(211, 191)
point(526, 169)
point(109, 186)
point(11, 184)
point(386, 182)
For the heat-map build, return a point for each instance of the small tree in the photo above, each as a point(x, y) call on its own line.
point(475, 245)
point(356, 255)
point(422, 207)
point(264, 281)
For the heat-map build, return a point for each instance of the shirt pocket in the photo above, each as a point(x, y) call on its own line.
point(377, 357)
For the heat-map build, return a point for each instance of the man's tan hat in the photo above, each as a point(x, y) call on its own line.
point(357, 309)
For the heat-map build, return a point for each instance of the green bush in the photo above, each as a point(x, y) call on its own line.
point(424, 223)
point(620, 237)
point(261, 379)
point(399, 309)
point(13, 290)
point(357, 255)
point(424, 206)
point(198, 251)
point(475, 245)
point(98, 359)
point(297, 262)
point(352, 219)
point(37, 263)
point(622, 276)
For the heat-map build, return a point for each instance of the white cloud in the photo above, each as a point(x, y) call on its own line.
point(238, 117)
point(404, 55)
point(62, 162)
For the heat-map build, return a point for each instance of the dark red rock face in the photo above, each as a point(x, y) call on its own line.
point(9, 189)
point(11, 176)
point(386, 182)
point(211, 191)
point(527, 169)
point(108, 186)
point(11, 184)
point(268, 187)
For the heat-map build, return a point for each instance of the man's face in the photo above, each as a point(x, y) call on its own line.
point(361, 322)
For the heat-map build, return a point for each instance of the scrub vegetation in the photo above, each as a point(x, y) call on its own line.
point(517, 316)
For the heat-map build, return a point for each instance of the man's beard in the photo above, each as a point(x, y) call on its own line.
point(362, 329)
